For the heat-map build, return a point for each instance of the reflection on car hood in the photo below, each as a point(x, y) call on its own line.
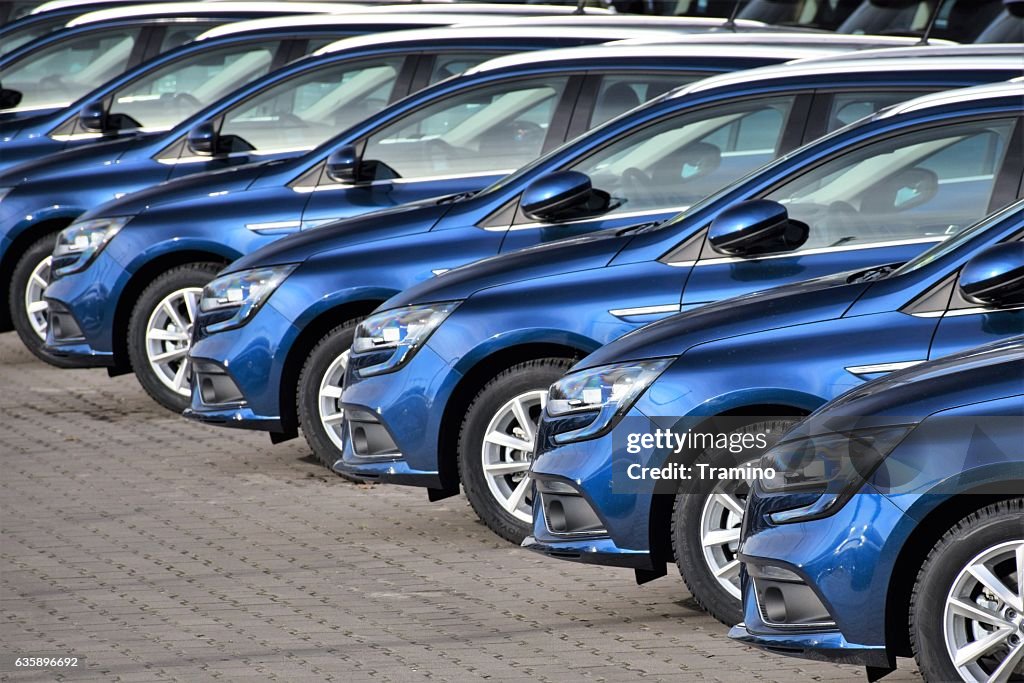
point(809, 301)
point(76, 161)
point(555, 258)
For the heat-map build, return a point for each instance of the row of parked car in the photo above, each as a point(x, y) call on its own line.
point(507, 249)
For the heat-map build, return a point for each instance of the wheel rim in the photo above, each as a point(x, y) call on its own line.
point(984, 615)
point(508, 451)
point(169, 337)
point(720, 522)
point(36, 307)
point(332, 415)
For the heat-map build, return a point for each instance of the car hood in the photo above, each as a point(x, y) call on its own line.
point(195, 186)
point(804, 302)
point(565, 256)
point(70, 163)
point(408, 219)
point(981, 373)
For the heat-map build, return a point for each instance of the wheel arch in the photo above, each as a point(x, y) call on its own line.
point(19, 245)
point(139, 280)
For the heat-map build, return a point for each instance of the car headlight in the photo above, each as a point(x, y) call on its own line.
point(234, 298)
point(831, 466)
point(393, 337)
point(607, 391)
point(79, 243)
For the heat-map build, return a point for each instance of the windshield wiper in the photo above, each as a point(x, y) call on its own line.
point(451, 199)
point(872, 274)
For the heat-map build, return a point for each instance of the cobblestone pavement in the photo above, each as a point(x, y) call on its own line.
point(157, 549)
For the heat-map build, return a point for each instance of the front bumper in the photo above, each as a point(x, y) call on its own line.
point(847, 561)
point(239, 371)
point(409, 405)
point(66, 341)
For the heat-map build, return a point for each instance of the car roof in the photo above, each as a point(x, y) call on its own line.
point(313, 20)
point(850, 65)
point(941, 50)
point(483, 33)
point(1011, 88)
point(637, 21)
point(613, 52)
point(835, 40)
point(212, 8)
point(66, 4)
point(517, 9)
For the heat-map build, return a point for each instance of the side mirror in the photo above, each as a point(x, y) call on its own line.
point(343, 165)
point(9, 98)
point(561, 196)
point(758, 226)
point(1015, 7)
point(995, 277)
point(93, 116)
point(203, 138)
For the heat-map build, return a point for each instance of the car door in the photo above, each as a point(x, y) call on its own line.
point(965, 324)
point(881, 202)
point(456, 143)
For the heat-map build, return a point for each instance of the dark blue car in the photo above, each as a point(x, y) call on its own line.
point(445, 381)
point(22, 22)
point(654, 162)
point(758, 362)
point(894, 524)
point(280, 116)
point(456, 136)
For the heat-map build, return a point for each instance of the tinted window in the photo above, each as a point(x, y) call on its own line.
point(61, 73)
point(619, 94)
point(14, 39)
point(486, 130)
point(826, 14)
point(177, 35)
point(846, 108)
point(302, 112)
point(171, 94)
point(925, 183)
point(454, 63)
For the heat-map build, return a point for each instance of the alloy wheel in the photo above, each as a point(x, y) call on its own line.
point(169, 337)
point(720, 522)
point(983, 619)
point(332, 415)
point(35, 305)
point(508, 451)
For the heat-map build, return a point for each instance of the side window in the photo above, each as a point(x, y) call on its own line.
point(680, 160)
point(302, 112)
point(846, 108)
point(485, 130)
point(62, 72)
point(619, 94)
point(177, 35)
point(454, 63)
point(173, 93)
point(924, 183)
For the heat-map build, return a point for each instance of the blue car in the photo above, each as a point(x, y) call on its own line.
point(445, 382)
point(456, 136)
point(23, 22)
point(280, 116)
point(680, 149)
point(894, 522)
point(758, 362)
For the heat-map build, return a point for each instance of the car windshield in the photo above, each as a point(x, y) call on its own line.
point(58, 74)
point(955, 242)
point(21, 35)
point(822, 14)
point(1006, 28)
point(168, 95)
point(960, 20)
point(302, 112)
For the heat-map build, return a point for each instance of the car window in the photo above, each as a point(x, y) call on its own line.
point(485, 130)
point(679, 160)
point(304, 111)
point(924, 183)
point(849, 107)
point(16, 38)
point(619, 94)
point(62, 72)
point(454, 63)
point(177, 35)
point(824, 14)
point(174, 92)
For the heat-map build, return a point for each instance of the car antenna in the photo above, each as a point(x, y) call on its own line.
point(581, 7)
point(931, 23)
point(730, 23)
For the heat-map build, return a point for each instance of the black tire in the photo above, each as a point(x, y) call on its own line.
point(687, 514)
point(522, 378)
point(307, 395)
point(21, 278)
point(190, 275)
point(990, 526)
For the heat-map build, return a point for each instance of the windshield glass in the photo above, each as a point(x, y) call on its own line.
point(60, 73)
point(1005, 29)
point(955, 242)
point(959, 20)
point(823, 14)
point(302, 112)
point(169, 95)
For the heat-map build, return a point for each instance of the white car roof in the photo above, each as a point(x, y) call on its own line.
point(1014, 87)
point(201, 8)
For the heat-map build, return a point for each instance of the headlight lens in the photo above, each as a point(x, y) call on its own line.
point(608, 390)
point(79, 243)
point(236, 297)
point(833, 465)
point(402, 331)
